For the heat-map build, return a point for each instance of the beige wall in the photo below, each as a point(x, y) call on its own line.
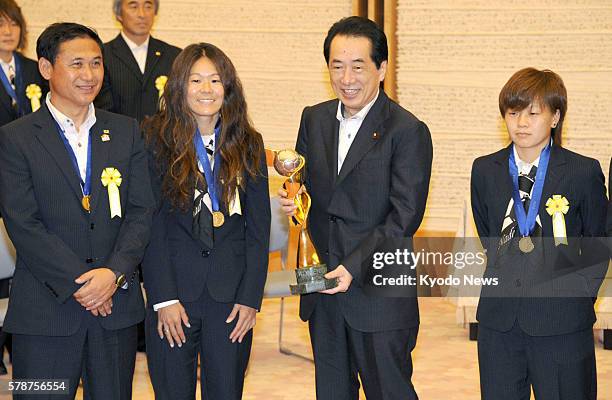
point(454, 57)
point(277, 46)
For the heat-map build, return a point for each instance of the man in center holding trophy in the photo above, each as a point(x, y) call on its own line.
point(367, 170)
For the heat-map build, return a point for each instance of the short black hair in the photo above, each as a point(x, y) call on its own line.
point(359, 27)
point(54, 35)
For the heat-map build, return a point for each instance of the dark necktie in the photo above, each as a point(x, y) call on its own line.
point(11, 78)
point(201, 227)
point(525, 183)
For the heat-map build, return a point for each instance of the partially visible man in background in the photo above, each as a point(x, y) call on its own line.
point(136, 64)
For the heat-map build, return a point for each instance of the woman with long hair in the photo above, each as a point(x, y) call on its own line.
point(206, 265)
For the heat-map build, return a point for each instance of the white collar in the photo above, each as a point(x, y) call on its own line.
point(10, 63)
point(361, 114)
point(64, 121)
point(133, 46)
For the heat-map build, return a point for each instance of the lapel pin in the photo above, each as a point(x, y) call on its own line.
point(158, 53)
point(375, 135)
point(105, 135)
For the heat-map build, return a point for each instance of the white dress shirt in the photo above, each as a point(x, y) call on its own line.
point(78, 138)
point(139, 51)
point(523, 166)
point(9, 69)
point(348, 129)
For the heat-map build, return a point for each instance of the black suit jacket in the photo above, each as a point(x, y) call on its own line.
point(609, 226)
point(128, 91)
point(562, 272)
point(56, 240)
point(28, 75)
point(379, 194)
point(232, 263)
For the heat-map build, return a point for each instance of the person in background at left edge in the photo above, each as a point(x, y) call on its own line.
point(22, 86)
point(136, 64)
point(20, 93)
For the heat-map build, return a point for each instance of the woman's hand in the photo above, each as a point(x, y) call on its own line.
point(169, 321)
point(246, 321)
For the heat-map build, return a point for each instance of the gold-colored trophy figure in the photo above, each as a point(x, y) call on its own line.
point(310, 272)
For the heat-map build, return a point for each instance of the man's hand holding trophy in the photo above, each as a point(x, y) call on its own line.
point(310, 273)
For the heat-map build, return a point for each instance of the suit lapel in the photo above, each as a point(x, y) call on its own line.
point(503, 188)
point(122, 52)
point(99, 156)
point(50, 139)
point(330, 127)
point(154, 53)
point(5, 100)
point(364, 141)
point(554, 172)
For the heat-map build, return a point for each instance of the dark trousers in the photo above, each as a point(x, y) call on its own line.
point(560, 367)
point(381, 359)
point(105, 360)
point(173, 371)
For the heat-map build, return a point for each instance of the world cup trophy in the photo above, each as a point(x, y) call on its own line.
point(310, 273)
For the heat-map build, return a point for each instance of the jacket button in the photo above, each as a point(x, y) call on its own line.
point(517, 283)
point(326, 252)
point(333, 218)
point(92, 226)
point(205, 253)
point(89, 260)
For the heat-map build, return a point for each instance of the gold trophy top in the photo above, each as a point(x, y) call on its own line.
point(288, 162)
point(291, 164)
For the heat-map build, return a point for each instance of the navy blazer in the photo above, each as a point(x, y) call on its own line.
point(379, 195)
point(562, 272)
point(128, 91)
point(55, 238)
point(28, 75)
point(233, 263)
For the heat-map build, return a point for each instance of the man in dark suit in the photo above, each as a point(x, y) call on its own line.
point(540, 213)
point(136, 64)
point(368, 165)
point(76, 198)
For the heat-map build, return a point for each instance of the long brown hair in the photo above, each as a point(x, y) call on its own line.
point(170, 132)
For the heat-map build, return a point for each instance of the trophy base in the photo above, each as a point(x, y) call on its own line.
point(311, 279)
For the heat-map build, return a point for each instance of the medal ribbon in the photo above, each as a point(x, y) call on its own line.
point(9, 88)
point(526, 222)
point(209, 174)
point(85, 186)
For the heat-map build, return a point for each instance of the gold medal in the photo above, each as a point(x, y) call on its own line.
point(85, 203)
point(526, 244)
point(218, 219)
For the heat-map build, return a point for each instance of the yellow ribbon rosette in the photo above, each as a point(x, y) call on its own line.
point(557, 206)
point(111, 179)
point(160, 84)
point(34, 93)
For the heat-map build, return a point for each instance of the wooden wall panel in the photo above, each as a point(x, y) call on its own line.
point(454, 57)
point(277, 46)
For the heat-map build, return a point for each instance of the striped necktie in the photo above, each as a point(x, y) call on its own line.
point(525, 183)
